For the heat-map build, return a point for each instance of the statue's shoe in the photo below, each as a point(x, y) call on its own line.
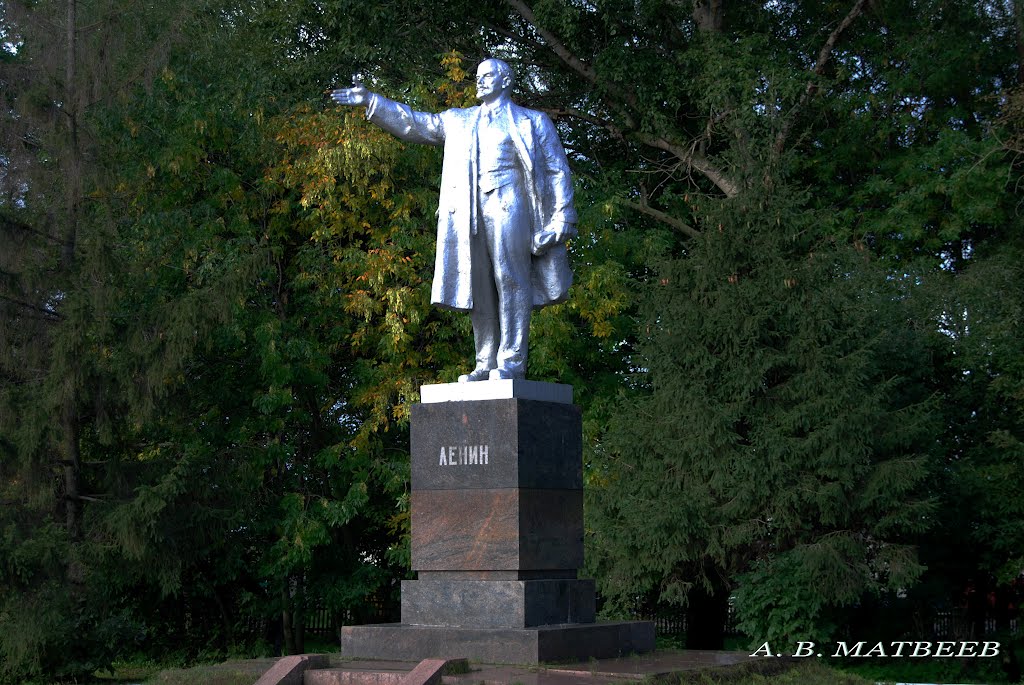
point(503, 374)
point(478, 374)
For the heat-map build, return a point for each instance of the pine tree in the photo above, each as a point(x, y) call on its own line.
point(779, 448)
point(54, 83)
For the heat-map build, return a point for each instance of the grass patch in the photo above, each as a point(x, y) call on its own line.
point(209, 675)
point(457, 667)
point(984, 671)
point(731, 643)
point(766, 672)
point(127, 673)
point(755, 672)
point(232, 672)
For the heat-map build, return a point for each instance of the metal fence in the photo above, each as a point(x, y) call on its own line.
point(326, 622)
point(956, 624)
point(672, 622)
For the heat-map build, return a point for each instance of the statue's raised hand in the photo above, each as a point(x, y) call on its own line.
point(357, 95)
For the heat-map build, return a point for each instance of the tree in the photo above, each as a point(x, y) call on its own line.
point(245, 423)
point(779, 449)
point(53, 84)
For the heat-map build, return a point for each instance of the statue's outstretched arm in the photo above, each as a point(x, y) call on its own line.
point(394, 117)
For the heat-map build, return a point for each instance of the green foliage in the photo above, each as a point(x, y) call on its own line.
point(223, 441)
point(782, 418)
point(267, 398)
point(58, 631)
point(992, 469)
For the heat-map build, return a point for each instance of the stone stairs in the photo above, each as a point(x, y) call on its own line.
point(321, 669)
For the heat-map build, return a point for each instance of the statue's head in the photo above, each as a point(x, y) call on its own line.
point(494, 78)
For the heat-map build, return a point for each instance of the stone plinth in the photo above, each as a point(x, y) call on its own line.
point(497, 603)
point(396, 641)
point(497, 534)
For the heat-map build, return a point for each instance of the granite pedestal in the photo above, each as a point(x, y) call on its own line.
point(497, 534)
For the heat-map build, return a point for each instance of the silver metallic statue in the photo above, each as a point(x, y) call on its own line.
point(506, 210)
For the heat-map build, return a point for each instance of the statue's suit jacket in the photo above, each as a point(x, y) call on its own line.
point(549, 188)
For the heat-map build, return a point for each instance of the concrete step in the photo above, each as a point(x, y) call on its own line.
point(427, 672)
point(347, 676)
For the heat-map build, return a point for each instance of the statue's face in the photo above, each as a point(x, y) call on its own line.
point(489, 81)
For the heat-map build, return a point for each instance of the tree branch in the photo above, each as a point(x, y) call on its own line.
point(574, 62)
point(571, 60)
point(536, 45)
point(9, 223)
point(824, 56)
point(50, 316)
point(557, 112)
point(87, 498)
point(690, 157)
point(698, 162)
point(661, 216)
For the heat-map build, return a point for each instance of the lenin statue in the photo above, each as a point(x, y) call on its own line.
point(506, 210)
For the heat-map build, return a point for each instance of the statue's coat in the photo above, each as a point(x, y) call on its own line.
point(549, 187)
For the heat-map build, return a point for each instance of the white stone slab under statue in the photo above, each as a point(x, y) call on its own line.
point(513, 388)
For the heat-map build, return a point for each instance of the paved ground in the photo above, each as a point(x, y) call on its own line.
point(599, 671)
point(594, 672)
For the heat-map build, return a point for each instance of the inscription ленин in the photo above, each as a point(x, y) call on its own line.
point(463, 455)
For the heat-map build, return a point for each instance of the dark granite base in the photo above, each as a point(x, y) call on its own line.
point(541, 644)
point(497, 603)
point(529, 444)
point(487, 529)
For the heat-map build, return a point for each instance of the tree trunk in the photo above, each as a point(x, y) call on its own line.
point(1018, 16)
point(299, 615)
point(286, 618)
point(228, 636)
point(73, 172)
point(293, 615)
point(72, 463)
point(71, 458)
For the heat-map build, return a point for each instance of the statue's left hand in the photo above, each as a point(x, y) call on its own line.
point(553, 234)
